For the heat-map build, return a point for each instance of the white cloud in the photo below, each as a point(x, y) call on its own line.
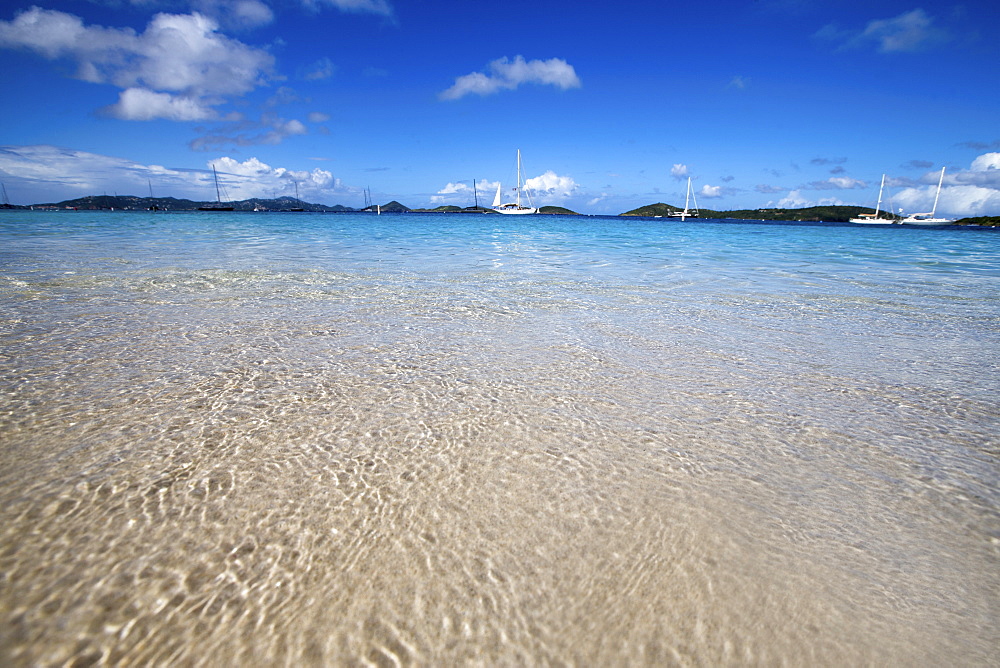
point(793, 200)
point(972, 192)
point(464, 194)
point(507, 74)
point(710, 192)
point(318, 117)
point(235, 13)
point(906, 32)
point(37, 174)
point(453, 188)
point(796, 200)
point(985, 162)
point(550, 186)
point(910, 31)
point(270, 129)
point(836, 183)
point(679, 171)
point(321, 69)
point(254, 175)
point(139, 104)
point(182, 55)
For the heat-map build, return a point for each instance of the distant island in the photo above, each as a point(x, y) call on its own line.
point(832, 214)
point(290, 204)
point(555, 210)
point(829, 214)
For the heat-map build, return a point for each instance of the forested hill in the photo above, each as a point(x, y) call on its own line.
point(833, 214)
point(133, 203)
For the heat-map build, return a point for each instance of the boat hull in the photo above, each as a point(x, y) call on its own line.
point(926, 221)
point(872, 221)
point(516, 211)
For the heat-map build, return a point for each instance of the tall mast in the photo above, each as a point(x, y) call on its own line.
point(215, 175)
point(475, 193)
point(879, 202)
point(940, 181)
point(687, 198)
point(518, 189)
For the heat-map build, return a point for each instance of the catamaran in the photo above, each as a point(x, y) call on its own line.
point(873, 218)
point(686, 213)
point(929, 218)
point(515, 206)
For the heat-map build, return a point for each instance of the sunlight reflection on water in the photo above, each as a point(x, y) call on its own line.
point(328, 439)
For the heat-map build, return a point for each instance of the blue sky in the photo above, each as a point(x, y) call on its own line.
point(763, 104)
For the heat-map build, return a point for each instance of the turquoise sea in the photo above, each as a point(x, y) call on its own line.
point(288, 439)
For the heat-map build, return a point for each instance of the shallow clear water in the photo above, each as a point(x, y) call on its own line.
point(301, 439)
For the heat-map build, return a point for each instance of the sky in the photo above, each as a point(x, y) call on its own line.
point(761, 103)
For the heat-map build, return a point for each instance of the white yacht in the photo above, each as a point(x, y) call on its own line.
point(515, 207)
point(686, 213)
point(874, 218)
point(929, 218)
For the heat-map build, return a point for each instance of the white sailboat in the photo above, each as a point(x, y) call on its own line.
point(686, 213)
point(873, 218)
point(515, 207)
point(929, 218)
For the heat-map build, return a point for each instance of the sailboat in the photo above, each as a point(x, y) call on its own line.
point(515, 206)
point(929, 218)
point(475, 208)
point(297, 200)
point(873, 218)
point(219, 206)
point(686, 213)
point(152, 205)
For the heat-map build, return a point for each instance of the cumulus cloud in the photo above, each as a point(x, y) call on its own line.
point(178, 69)
point(253, 178)
point(464, 194)
point(550, 186)
point(139, 104)
point(710, 192)
point(986, 163)
point(505, 74)
point(970, 192)
point(796, 200)
point(679, 171)
point(38, 174)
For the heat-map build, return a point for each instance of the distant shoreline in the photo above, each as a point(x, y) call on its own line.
point(830, 214)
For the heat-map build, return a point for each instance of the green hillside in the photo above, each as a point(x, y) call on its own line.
point(652, 210)
point(133, 203)
point(833, 214)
